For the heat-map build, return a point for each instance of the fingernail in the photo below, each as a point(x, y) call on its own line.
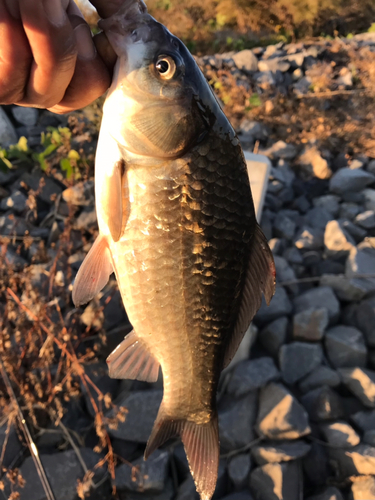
point(55, 12)
point(85, 45)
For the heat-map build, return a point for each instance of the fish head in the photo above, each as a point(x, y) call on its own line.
point(159, 103)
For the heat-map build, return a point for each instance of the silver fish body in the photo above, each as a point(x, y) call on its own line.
point(178, 228)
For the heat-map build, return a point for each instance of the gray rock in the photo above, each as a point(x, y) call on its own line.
point(345, 289)
point(293, 255)
point(11, 225)
point(277, 482)
point(250, 375)
point(361, 382)
point(236, 423)
point(360, 260)
point(280, 415)
point(313, 164)
point(345, 346)
point(366, 219)
point(363, 488)
point(322, 375)
point(63, 471)
point(246, 60)
point(274, 64)
point(281, 150)
point(310, 324)
point(365, 420)
point(148, 477)
point(81, 194)
point(15, 202)
point(369, 195)
point(369, 437)
point(8, 134)
point(356, 232)
point(348, 180)
point(315, 465)
point(323, 404)
point(285, 273)
point(86, 219)
point(330, 202)
point(301, 87)
point(280, 306)
point(276, 245)
point(142, 407)
point(337, 241)
point(264, 79)
point(340, 434)
point(25, 116)
point(317, 298)
point(279, 452)
point(371, 167)
point(309, 238)
point(298, 359)
point(349, 210)
point(98, 373)
point(273, 336)
point(13, 449)
point(355, 461)
point(331, 493)
point(239, 470)
point(46, 186)
point(284, 227)
point(318, 217)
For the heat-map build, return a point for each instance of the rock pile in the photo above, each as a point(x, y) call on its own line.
point(297, 419)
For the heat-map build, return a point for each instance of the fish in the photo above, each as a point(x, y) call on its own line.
point(177, 226)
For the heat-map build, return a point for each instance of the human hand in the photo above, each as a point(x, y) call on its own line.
point(48, 58)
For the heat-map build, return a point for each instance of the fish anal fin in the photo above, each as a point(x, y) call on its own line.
point(201, 443)
point(132, 360)
point(260, 279)
point(94, 272)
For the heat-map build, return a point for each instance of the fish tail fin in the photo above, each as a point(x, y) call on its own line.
point(201, 443)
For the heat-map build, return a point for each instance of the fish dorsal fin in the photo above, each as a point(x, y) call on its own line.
point(201, 443)
point(94, 272)
point(111, 200)
point(260, 278)
point(132, 360)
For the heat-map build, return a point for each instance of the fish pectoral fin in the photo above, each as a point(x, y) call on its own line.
point(111, 201)
point(132, 360)
point(94, 272)
point(260, 278)
point(201, 443)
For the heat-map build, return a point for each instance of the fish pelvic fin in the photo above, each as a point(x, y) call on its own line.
point(94, 272)
point(260, 279)
point(201, 443)
point(131, 359)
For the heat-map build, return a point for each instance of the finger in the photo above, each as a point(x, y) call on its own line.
point(106, 8)
point(52, 43)
point(91, 77)
point(105, 50)
point(15, 56)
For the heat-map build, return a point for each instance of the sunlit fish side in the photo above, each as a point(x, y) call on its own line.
point(177, 226)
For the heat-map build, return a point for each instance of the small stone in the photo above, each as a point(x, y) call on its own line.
point(365, 420)
point(363, 488)
point(264, 79)
point(250, 375)
point(276, 245)
point(298, 359)
point(364, 319)
point(280, 306)
point(149, 476)
point(273, 336)
point(322, 375)
point(331, 493)
point(236, 423)
point(276, 482)
point(285, 274)
point(86, 219)
point(11, 225)
point(369, 437)
point(11, 445)
point(358, 460)
point(345, 79)
point(317, 298)
point(239, 470)
point(309, 238)
point(338, 242)
point(47, 188)
point(81, 194)
point(279, 452)
point(348, 210)
point(322, 404)
point(16, 202)
point(313, 164)
point(274, 64)
point(318, 217)
point(310, 324)
point(98, 373)
point(8, 134)
point(281, 150)
point(284, 227)
point(330, 202)
point(340, 434)
point(369, 195)
point(293, 255)
point(361, 382)
point(280, 415)
point(357, 233)
point(142, 408)
point(25, 116)
point(345, 289)
point(360, 261)
point(366, 219)
point(246, 60)
point(356, 163)
point(348, 180)
point(345, 346)
point(371, 167)
point(315, 465)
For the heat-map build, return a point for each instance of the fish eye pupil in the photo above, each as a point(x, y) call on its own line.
point(162, 66)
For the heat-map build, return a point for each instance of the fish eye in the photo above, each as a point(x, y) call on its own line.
point(166, 67)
